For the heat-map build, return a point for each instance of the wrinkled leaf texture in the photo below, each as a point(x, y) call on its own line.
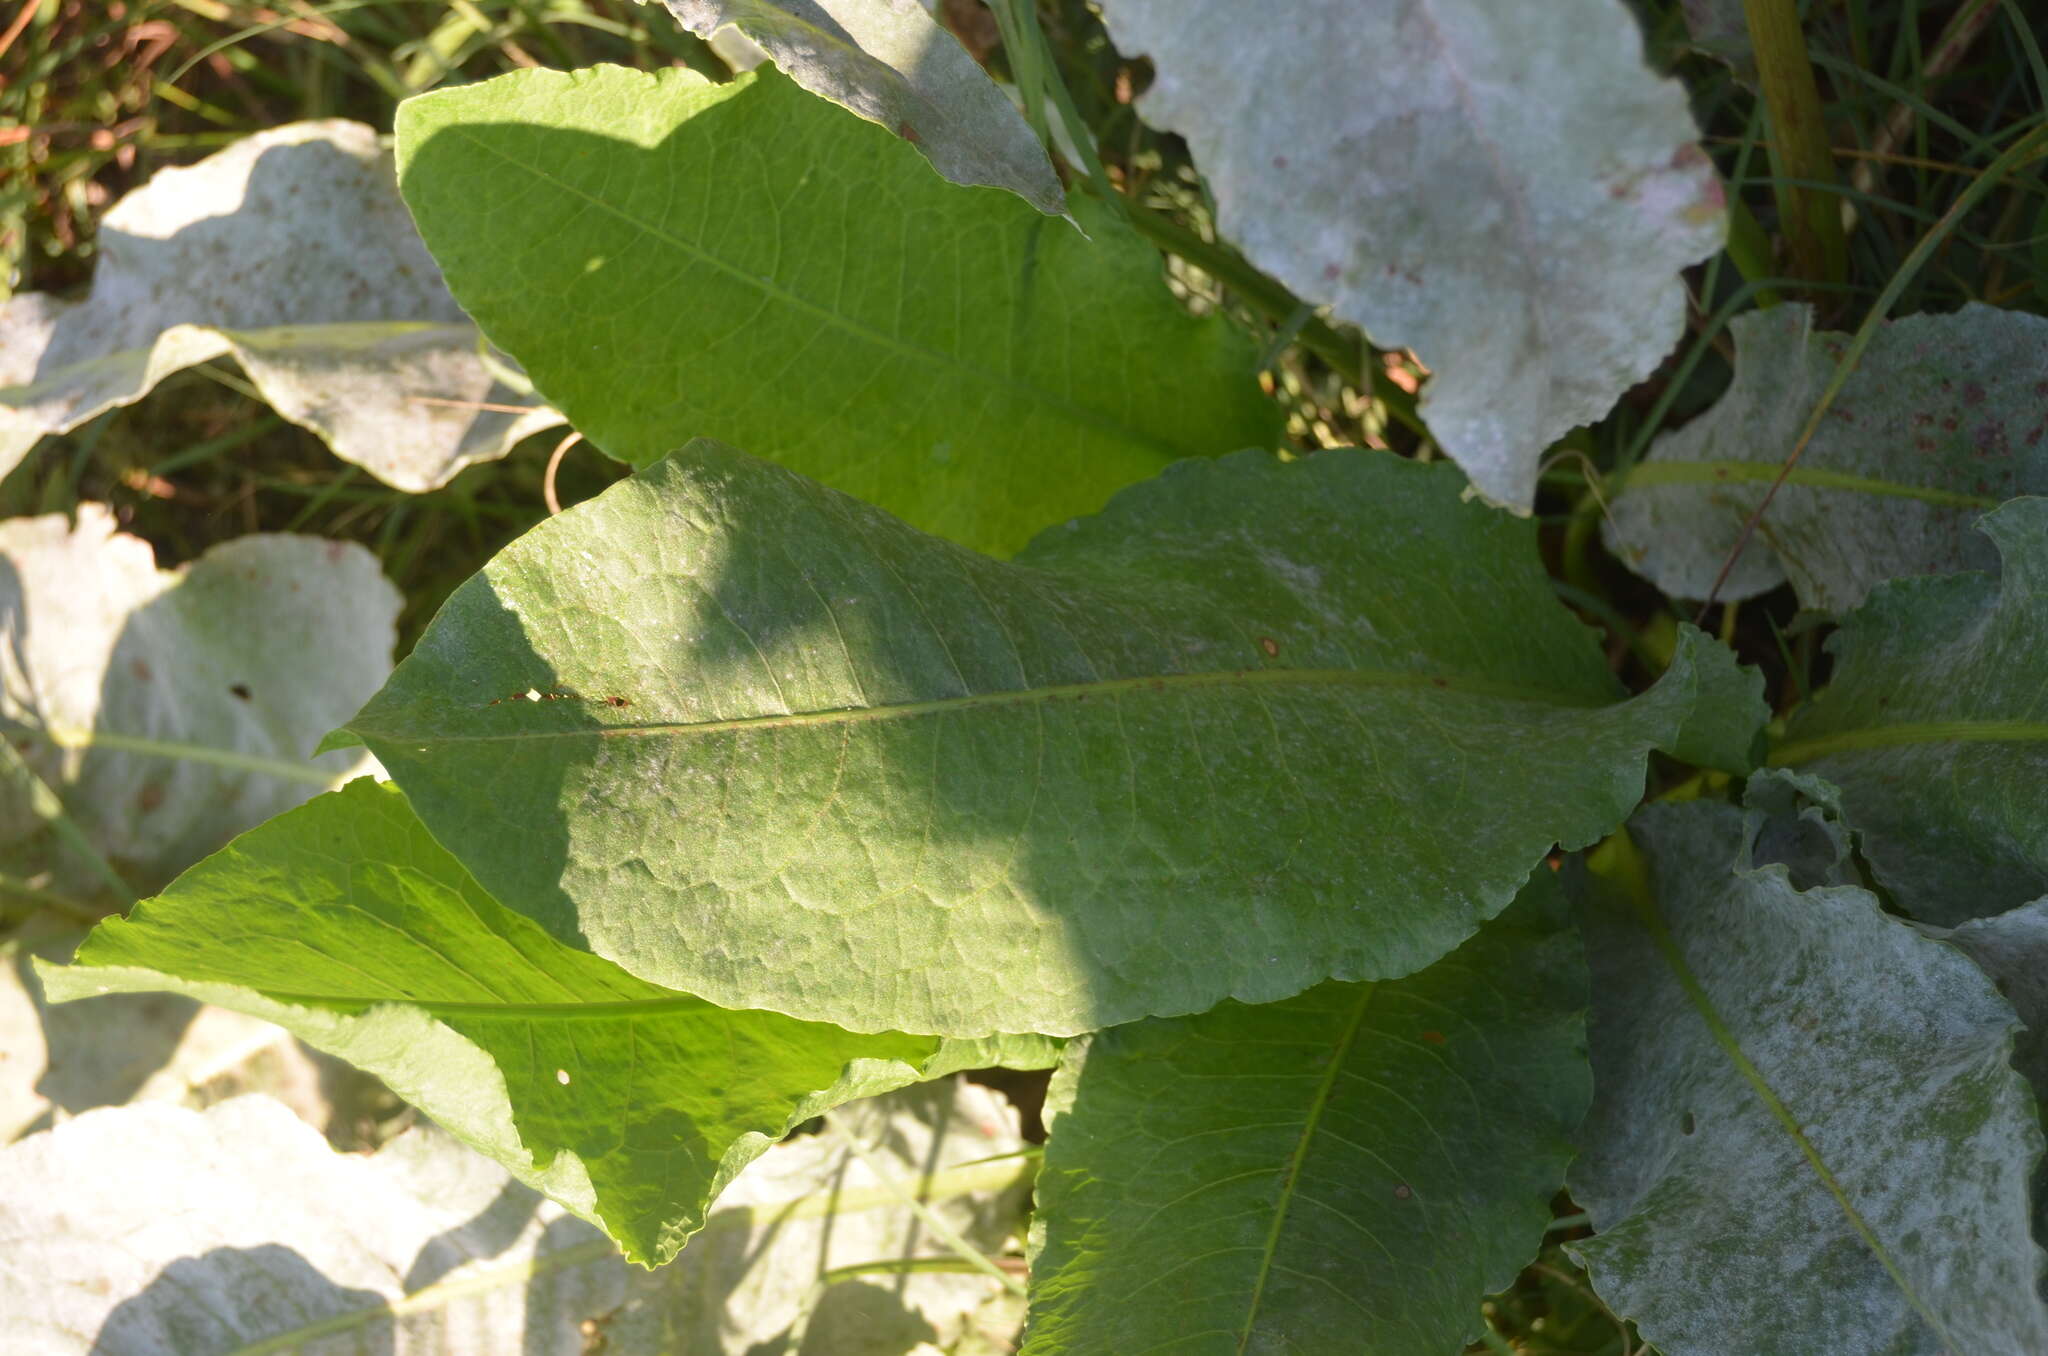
point(1257, 725)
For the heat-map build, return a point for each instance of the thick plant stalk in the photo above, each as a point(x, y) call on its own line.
point(1800, 155)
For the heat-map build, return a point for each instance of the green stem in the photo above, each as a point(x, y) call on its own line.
point(1810, 218)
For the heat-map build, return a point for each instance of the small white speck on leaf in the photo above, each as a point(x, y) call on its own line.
point(562, 1077)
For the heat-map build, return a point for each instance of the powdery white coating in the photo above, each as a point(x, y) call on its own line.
point(291, 251)
point(259, 647)
point(890, 62)
point(1944, 417)
point(1716, 1233)
point(1935, 728)
point(1505, 189)
point(156, 1228)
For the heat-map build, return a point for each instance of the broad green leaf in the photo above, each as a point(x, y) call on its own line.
point(1353, 1169)
point(234, 666)
point(1257, 725)
point(158, 1229)
point(671, 258)
point(890, 62)
point(289, 250)
point(346, 924)
point(1936, 729)
point(1396, 160)
point(1945, 417)
point(1805, 1135)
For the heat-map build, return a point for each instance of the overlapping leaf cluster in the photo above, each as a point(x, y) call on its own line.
point(777, 777)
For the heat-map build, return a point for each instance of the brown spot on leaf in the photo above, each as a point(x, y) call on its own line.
point(240, 690)
point(1433, 1037)
point(908, 133)
point(151, 796)
point(617, 701)
point(1270, 646)
point(1403, 1192)
point(140, 668)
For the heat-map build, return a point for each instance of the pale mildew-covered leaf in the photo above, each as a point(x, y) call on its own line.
point(633, 1105)
point(1935, 728)
point(62, 1060)
point(1805, 1133)
point(159, 1229)
point(1944, 417)
point(1393, 158)
point(755, 740)
point(251, 652)
point(1353, 1169)
point(291, 251)
point(890, 62)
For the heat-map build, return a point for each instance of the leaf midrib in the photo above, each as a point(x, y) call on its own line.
point(623, 1007)
point(1908, 734)
point(1080, 414)
point(1311, 1122)
point(1110, 687)
point(1651, 916)
point(1687, 472)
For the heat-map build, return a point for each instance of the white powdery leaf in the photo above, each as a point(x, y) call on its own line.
point(292, 252)
point(890, 62)
point(156, 1228)
point(257, 649)
point(1805, 1134)
point(1505, 189)
point(1942, 419)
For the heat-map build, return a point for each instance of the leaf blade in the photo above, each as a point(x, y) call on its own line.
point(953, 794)
point(1417, 1179)
point(665, 292)
point(345, 923)
point(1527, 252)
point(1784, 1078)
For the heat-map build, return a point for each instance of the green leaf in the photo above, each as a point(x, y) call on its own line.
point(289, 251)
point(671, 258)
point(892, 64)
point(158, 1229)
point(1942, 420)
point(1805, 1135)
point(1936, 729)
point(345, 923)
point(1525, 245)
point(1353, 1169)
point(170, 710)
point(1257, 725)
